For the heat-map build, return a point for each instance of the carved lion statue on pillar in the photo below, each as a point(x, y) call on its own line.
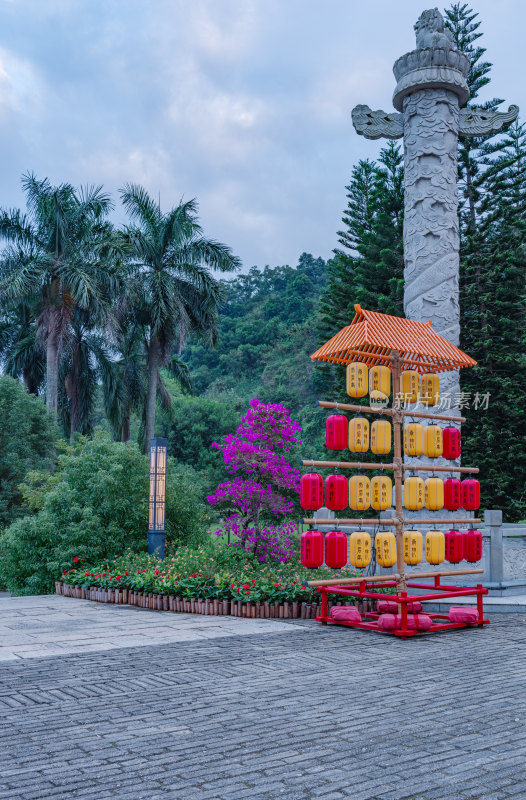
point(431, 31)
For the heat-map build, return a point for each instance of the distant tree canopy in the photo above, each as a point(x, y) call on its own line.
point(266, 334)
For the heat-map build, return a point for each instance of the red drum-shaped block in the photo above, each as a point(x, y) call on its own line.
point(311, 549)
point(336, 549)
point(452, 494)
point(336, 432)
point(336, 492)
point(470, 494)
point(454, 546)
point(473, 546)
point(311, 491)
point(450, 443)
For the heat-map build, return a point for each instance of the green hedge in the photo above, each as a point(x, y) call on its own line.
point(94, 507)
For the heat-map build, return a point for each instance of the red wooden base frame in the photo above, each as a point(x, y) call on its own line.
point(370, 619)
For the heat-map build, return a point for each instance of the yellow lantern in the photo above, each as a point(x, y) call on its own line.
point(356, 379)
point(360, 549)
point(412, 547)
point(381, 437)
point(410, 385)
point(385, 544)
point(359, 493)
point(429, 389)
point(413, 439)
point(414, 494)
point(380, 380)
point(358, 435)
point(434, 494)
point(381, 493)
point(433, 441)
point(435, 547)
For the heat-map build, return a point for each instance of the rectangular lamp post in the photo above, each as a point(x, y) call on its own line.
point(157, 501)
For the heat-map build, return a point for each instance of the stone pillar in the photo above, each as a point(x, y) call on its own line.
point(493, 527)
point(431, 86)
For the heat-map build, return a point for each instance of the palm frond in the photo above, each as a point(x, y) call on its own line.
point(180, 372)
point(140, 206)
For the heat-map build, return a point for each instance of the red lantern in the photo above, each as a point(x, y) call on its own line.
point(336, 549)
point(336, 492)
point(311, 491)
point(452, 494)
point(337, 432)
point(450, 443)
point(454, 541)
point(473, 545)
point(470, 494)
point(311, 549)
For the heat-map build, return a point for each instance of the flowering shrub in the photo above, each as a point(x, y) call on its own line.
point(265, 490)
point(211, 572)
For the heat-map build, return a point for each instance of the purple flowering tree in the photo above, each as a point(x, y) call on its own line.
point(260, 493)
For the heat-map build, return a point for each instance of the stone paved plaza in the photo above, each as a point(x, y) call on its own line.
point(288, 710)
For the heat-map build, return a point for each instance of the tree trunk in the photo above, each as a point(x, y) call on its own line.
point(73, 416)
point(151, 395)
point(30, 382)
point(52, 373)
point(125, 430)
point(72, 391)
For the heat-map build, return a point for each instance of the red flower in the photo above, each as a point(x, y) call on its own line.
point(111, 577)
point(194, 575)
point(276, 585)
point(126, 572)
point(117, 577)
point(238, 590)
point(87, 574)
point(253, 581)
point(157, 572)
point(76, 560)
point(246, 586)
point(248, 591)
point(232, 585)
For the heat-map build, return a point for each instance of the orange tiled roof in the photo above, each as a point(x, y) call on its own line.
point(371, 336)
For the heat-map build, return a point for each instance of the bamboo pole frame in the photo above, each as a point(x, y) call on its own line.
point(398, 418)
point(310, 462)
point(398, 521)
point(335, 521)
point(409, 576)
point(389, 411)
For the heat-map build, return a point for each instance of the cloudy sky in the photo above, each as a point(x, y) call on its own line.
point(244, 104)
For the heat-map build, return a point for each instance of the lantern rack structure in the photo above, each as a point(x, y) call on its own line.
point(380, 339)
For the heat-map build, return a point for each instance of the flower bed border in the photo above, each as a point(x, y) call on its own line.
point(198, 605)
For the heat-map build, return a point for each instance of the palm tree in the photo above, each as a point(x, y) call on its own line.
point(59, 250)
point(172, 291)
point(21, 350)
point(128, 345)
point(87, 362)
point(131, 345)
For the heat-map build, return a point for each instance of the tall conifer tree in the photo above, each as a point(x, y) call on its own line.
point(368, 267)
point(492, 190)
